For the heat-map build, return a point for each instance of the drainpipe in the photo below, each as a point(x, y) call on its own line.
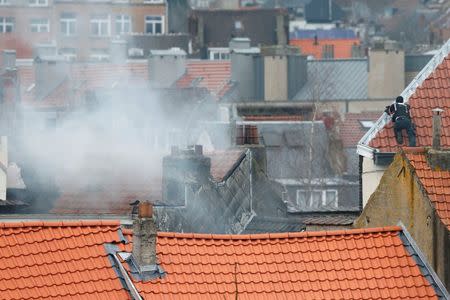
point(437, 121)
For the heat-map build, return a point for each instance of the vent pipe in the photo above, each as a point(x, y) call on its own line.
point(437, 120)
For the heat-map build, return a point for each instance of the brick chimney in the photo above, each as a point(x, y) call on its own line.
point(144, 236)
point(437, 120)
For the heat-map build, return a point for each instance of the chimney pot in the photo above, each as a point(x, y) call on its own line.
point(174, 150)
point(145, 210)
point(437, 119)
point(198, 149)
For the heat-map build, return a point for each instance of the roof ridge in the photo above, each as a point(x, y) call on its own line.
point(263, 236)
point(363, 147)
point(70, 223)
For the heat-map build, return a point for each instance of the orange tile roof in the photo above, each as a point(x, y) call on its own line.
point(42, 260)
point(83, 77)
point(436, 183)
point(65, 260)
point(433, 93)
point(351, 130)
point(212, 75)
point(354, 264)
point(342, 47)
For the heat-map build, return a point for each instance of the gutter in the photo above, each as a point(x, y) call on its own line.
point(129, 283)
point(422, 263)
point(363, 147)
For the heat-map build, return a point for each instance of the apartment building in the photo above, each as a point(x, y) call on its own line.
point(80, 30)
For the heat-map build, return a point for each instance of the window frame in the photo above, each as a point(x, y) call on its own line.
point(102, 55)
point(323, 199)
point(6, 22)
point(98, 21)
point(121, 22)
point(39, 26)
point(69, 55)
point(153, 22)
point(37, 3)
point(69, 21)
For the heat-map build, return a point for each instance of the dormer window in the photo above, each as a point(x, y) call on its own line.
point(38, 2)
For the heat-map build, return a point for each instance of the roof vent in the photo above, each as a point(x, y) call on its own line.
point(437, 120)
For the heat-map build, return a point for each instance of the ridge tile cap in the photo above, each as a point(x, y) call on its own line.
point(279, 235)
point(82, 223)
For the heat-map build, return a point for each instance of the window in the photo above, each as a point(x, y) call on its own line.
point(38, 2)
point(5, 2)
point(68, 53)
point(317, 199)
point(123, 24)
point(40, 25)
point(6, 24)
point(99, 54)
point(219, 53)
point(328, 51)
point(154, 24)
point(100, 25)
point(68, 23)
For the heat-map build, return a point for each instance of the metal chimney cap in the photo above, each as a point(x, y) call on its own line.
point(437, 111)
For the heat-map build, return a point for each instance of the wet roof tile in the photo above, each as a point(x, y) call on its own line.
point(48, 260)
point(352, 130)
point(436, 183)
point(213, 75)
point(353, 264)
point(433, 93)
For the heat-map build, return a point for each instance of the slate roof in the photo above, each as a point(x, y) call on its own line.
point(329, 219)
point(213, 75)
point(351, 130)
point(272, 225)
point(339, 79)
point(429, 90)
point(435, 183)
point(70, 260)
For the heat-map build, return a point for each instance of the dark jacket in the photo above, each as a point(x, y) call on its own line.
point(399, 110)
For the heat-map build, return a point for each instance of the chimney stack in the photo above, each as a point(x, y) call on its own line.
point(437, 112)
point(118, 51)
point(8, 60)
point(144, 236)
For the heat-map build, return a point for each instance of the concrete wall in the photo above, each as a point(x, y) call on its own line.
point(399, 197)
point(371, 176)
point(243, 72)
point(386, 73)
point(275, 78)
point(3, 165)
point(164, 70)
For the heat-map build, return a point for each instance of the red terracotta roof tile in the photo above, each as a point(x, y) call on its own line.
point(351, 130)
point(436, 183)
point(433, 93)
point(213, 75)
point(48, 260)
point(355, 264)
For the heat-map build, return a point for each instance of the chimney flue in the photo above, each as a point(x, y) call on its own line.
point(437, 120)
point(144, 236)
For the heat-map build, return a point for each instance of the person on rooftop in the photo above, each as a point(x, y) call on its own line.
point(402, 120)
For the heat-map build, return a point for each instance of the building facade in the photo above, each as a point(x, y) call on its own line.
point(80, 30)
